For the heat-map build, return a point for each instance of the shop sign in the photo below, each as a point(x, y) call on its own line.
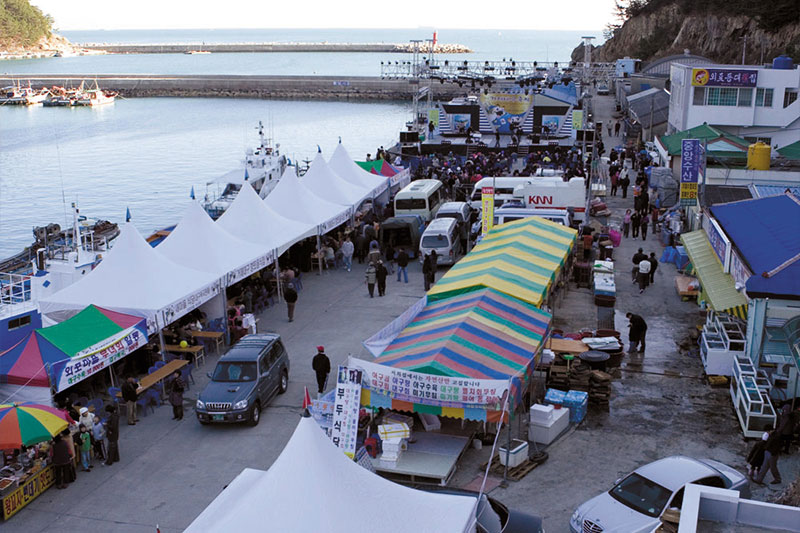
point(724, 77)
point(347, 404)
point(28, 491)
point(739, 269)
point(487, 206)
point(178, 309)
point(92, 360)
point(691, 152)
point(719, 243)
point(428, 389)
point(251, 267)
point(334, 222)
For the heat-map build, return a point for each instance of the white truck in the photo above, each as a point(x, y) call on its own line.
point(554, 193)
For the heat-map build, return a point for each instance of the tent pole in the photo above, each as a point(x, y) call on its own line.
point(279, 283)
point(508, 448)
point(223, 292)
point(320, 256)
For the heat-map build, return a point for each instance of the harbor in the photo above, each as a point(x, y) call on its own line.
point(169, 48)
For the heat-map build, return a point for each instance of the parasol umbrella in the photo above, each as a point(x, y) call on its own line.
point(28, 423)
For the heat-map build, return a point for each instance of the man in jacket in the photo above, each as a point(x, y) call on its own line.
point(637, 258)
point(290, 295)
point(112, 434)
point(322, 367)
point(402, 264)
point(130, 396)
point(347, 253)
point(380, 275)
point(637, 332)
point(771, 452)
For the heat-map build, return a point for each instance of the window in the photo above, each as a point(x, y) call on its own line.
point(745, 98)
point(789, 97)
point(20, 322)
point(641, 495)
point(753, 140)
point(723, 96)
point(410, 203)
point(699, 96)
point(234, 372)
point(764, 97)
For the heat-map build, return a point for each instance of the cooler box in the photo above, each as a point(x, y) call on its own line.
point(541, 414)
point(555, 396)
point(517, 455)
point(393, 431)
point(577, 401)
point(547, 431)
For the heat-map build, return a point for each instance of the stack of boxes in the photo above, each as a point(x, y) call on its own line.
point(605, 290)
point(547, 423)
point(577, 401)
point(600, 389)
point(394, 440)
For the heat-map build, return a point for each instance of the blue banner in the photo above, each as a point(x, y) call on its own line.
point(691, 155)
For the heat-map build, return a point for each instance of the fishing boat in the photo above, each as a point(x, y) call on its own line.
point(263, 167)
point(16, 95)
point(61, 97)
point(95, 97)
point(196, 52)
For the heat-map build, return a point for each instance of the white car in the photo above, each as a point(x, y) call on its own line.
point(636, 501)
point(602, 89)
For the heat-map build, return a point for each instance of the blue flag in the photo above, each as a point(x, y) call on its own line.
point(246, 175)
point(127, 214)
point(319, 149)
point(191, 194)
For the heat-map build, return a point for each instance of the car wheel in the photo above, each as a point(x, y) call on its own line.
point(284, 382)
point(255, 415)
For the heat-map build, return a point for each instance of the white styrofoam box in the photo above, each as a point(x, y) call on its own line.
point(545, 433)
point(397, 431)
point(548, 356)
point(394, 445)
point(517, 455)
point(541, 414)
point(430, 422)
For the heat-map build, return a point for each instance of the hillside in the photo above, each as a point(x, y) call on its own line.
point(22, 26)
point(716, 29)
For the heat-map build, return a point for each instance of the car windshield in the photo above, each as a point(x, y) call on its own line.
point(410, 203)
point(641, 494)
point(234, 372)
point(492, 517)
point(434, 241)
point(448, 215)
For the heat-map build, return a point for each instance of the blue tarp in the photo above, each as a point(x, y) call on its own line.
point(766, 231)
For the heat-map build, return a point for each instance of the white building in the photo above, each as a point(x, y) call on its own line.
point(752, 102)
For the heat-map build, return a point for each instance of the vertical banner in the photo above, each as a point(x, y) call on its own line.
point(691, 153)
point(577, 119)
point(487, 207)
point(433, 118)
point(347, 404)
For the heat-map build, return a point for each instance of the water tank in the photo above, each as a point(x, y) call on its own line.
point(758, 155)
point(782, 62)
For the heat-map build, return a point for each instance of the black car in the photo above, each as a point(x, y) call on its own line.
point(245, 380)
point(495, 517)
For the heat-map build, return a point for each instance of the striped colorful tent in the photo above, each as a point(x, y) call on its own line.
point(379, 167)
point(483, 334)
point(520, 258)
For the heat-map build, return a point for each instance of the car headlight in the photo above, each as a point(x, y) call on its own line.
point(575, 520)
point(200, 404)
point(240, 405)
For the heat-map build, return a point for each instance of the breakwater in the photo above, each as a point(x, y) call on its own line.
point(231, 86)
point(442, 48)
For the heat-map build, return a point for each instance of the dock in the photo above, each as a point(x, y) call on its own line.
point(173, 48)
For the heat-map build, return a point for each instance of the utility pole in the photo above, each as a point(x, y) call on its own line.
point(744, 48)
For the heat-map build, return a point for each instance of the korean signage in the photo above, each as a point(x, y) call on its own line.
point(577, 119)
point(336, 221)
point(176, 310)
point(253, 266)
point(94, 359)
point(691, 153)
point(347, 404)
point(719, 242)
point(28, 491)
point(402, 178)
point(739, 269)
point(428, 389)
point(724, 77)
point(487, 206)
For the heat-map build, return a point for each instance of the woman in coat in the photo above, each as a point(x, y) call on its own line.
point(176, 388)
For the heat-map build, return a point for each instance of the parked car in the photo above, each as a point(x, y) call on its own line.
point(495, 517)
point(602, 88)
point(245, 379)
point(637, 500)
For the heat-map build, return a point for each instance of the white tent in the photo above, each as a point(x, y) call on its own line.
point(136, 279)
point(343, 165)
point(325, 183)
point(292, 199)
point(197, 242)
point(312, 486)
point(250, 219)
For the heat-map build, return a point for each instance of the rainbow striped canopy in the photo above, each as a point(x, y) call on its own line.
point(28, 423)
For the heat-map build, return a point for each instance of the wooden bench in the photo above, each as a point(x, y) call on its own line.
point(682, 284)
point(165, 371)
point(216, 336)
point(198, 352)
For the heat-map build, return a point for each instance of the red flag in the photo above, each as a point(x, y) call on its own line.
point(306, 399)
point(434, 38)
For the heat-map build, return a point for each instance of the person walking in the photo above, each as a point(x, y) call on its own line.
point(756, 456)
point(176, 388)
point(637, 258)
point(786, 427)
point(624, 182)
point(644, 274)
point(772, 450)
point(653, 267)
point(389, 259)
point(290, 295)
point(99, 435)
point(322, 367)
point(637, 332)
point(112, 434)
point(380, 277)
point(614, 182)
point(85, 447)
point(636, 221)
point(616, 129)
point(402, 264)
point(626, 223)
point(61, 461)
point(130, 396)
point(348, 249)
point(426, 272)
point(370, 276)
point(643, 227)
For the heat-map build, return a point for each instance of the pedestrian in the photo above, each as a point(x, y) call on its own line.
point(614, 182)
point(130, 395)
point(786, 427)
point(653, 267)
point(402, 264)
point(374, 253)
point(290, 295)
point(99, 435)
point(772, 450)
point(637, 333)
point(380, 276)
point(624, 182)
point(112, 434)
point(644, 274)
point(390, 259)
point(322, 367)
point(176, 388)
point(616, 129)
point(643, 226)
point(756, 456)
point(434, 265)
point(626, 223)
point(348, 248)
point(637, 258)
point(636, 221)
point(426, 272)
point(608, 128)
point(370, 276)
point(61, 461)
point(85, 448)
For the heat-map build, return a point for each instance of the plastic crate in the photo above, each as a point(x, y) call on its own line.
point(577, 401)
point(555, 396)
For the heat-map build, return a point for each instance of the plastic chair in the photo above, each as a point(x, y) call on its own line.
point(143, 403)
point(186, 375)
point(113, 391)
point(83, 401)
point(170, 357)
point(152, 369)
point(159, 364)
point(97, 404)
point(153, 397)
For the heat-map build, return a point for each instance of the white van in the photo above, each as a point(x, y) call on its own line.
point(463, 214)
point(504, 189)
point(420, 197)
point(554, 193)
point(441, 235)
point(510, 214)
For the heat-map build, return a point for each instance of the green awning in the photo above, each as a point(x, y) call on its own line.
point(719, 286)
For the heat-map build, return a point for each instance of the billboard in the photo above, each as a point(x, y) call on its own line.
point(551, 123)
point(691, 153)
point(487, 206)
point(724, 77)
point(506, 109)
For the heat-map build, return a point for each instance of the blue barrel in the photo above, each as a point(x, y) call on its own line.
point(782, 62)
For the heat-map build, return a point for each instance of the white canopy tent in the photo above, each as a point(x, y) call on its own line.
point(197, 242)
point(292, 199)
point(313, 486)
point(325, 183)
point(250, 219)
point(343, 165)
point(136, 279)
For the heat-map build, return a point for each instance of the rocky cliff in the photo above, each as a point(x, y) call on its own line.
point(670, 30)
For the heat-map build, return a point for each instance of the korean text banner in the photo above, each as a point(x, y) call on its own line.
point(429, 389)
point(691, 153)
point(724, 77)
point(487, 207)
point(345, 409)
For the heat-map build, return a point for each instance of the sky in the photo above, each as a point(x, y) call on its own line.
point(461, 14)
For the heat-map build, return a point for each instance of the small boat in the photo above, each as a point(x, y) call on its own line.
point(16, 95)
point(95, 97)
point(61, 97)
point(195, 52)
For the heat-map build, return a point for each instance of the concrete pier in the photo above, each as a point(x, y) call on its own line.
point(269, 47)
point(229, 86)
